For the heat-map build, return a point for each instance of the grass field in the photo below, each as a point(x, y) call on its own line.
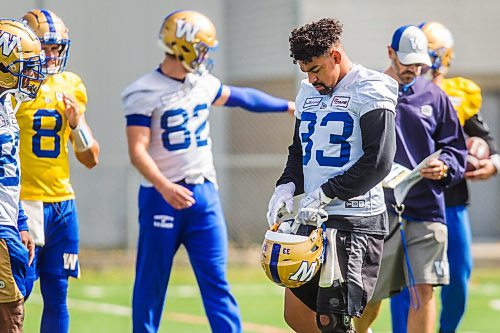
point(100, 302)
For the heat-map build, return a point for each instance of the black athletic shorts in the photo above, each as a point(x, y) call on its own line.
point(359, 256)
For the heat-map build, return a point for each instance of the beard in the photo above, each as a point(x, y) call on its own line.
point(325, 89)
point(407, 76)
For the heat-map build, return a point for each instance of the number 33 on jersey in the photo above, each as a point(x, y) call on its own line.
point(330, 130)
point(44, 139)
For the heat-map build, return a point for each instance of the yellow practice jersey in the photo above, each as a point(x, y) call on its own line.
point(44, 135)
point(465, 95)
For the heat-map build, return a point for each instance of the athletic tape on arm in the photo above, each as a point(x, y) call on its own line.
point(82, 138)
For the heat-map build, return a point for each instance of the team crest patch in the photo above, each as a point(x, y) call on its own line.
point(341, 101)
point(312, 101)
point(426, 110)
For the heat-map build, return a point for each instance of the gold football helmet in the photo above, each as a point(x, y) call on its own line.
point(21, 58)
point(51, 30)
point(188, 35)
point(291, 260)
point(440, 45)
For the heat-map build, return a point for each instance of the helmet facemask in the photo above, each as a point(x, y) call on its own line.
point(56, 64)
point(21, 68)
point(30, 77)
point(440, 44)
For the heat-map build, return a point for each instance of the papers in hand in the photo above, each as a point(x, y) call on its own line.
point(402, 179)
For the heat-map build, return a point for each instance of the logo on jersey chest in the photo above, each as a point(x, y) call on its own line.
point(312, 101)
point(340, 101)
point(426, 110)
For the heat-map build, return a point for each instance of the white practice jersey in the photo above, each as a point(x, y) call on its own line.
point(9, 164)
point(180, 132)
point(331, 135)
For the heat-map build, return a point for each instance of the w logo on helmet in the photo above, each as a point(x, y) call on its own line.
point(305, 272)
point(7, 43)
point(187, 30)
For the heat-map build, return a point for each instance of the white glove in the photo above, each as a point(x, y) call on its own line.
point(282, 199)
point(311, 207)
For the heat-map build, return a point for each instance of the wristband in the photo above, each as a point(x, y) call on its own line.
point(82, 138)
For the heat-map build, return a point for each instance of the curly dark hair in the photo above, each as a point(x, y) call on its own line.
point(314, 39)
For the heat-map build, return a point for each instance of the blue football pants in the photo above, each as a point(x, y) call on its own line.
point(454, 295)
point(202, 230)
point(54, 263)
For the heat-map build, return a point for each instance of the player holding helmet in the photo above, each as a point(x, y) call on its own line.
point(343, 146)
point(21, 76)
point(47, 125)
point(168, 137)
point(466, 98)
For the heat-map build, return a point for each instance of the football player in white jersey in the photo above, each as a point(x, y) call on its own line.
point(168, 136)
point(21, 76)
point(343, 147)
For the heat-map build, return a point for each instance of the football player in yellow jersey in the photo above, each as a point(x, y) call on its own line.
point(466, 98)
point(47, 124)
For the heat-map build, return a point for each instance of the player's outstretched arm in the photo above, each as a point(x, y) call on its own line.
point(138, 138)
point(253, 100)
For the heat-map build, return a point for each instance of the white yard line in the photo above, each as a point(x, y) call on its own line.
point(125, 311)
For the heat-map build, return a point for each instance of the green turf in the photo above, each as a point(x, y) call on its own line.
point(260, 302)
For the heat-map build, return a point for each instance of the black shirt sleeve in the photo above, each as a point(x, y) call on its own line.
point(379, 146)
point(476, 126)
point(293, 171)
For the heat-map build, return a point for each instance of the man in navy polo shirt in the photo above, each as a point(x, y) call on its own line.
point(425, 123)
